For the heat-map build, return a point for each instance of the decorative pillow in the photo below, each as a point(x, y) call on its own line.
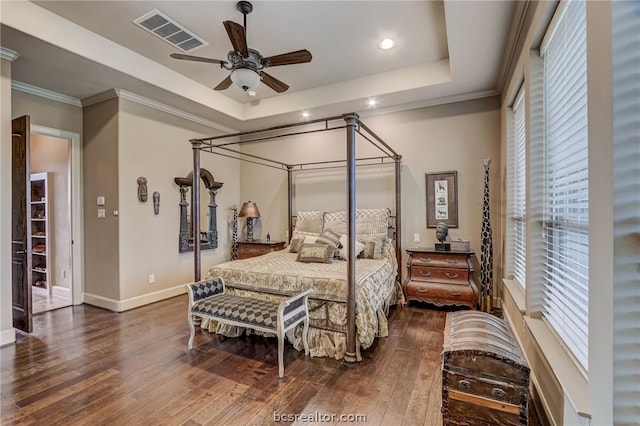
point(372, 221)
point(298, 238)
point(372, 245)
point(336, 221)
point(315, 253)
point(311, 221)
point(329, 237)
point(294, 245)
point(343, 253)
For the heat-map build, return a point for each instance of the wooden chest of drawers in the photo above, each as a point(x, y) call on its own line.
point(441, 277)
point(255, 248)
point(485, 378)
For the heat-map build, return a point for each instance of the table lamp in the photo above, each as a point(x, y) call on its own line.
point(250, 211)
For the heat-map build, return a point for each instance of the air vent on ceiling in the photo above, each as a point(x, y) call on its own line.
point(160, 25)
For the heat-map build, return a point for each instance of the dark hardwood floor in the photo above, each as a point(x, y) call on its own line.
point(84, 365)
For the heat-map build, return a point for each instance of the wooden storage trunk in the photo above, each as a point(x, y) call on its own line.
point(485, 378)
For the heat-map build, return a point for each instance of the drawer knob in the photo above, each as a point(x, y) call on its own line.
point(423, 290)
point(427, 274)
point(453, 261)
point(464, 384)
point(454, 293)
point(451, 276)
point(261, 250)
point(427, 260)
point(499, 393)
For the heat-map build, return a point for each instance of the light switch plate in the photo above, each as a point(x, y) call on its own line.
point(101, 214)
point(416, 238)
point(100, 200)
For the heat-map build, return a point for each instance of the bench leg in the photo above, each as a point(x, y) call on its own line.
point(305, 335)
point(280, 354)
point(193, 331)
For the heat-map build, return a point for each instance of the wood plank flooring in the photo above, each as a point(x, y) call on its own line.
point(88, 366)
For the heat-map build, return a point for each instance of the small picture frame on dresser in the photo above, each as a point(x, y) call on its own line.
point(442, 198)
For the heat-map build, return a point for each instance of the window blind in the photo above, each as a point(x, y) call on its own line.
point(566, 185)
point(517, 191)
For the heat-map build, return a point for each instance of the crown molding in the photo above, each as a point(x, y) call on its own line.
point(8, 54)
point(44, 93)
point(123, 94)
point(429, 103)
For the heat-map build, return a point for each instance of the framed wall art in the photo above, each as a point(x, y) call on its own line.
point(442, 199)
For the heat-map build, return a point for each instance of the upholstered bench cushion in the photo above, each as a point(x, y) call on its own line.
point(241, 309)
point(207, 288)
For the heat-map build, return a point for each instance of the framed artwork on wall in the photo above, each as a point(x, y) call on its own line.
point(442, 199)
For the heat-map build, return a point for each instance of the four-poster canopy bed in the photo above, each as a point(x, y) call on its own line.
point(381, 279)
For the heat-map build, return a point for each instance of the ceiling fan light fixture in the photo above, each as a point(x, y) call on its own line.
point(386, 44)
point(245, 78)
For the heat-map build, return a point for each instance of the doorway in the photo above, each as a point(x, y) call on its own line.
point(55, 155)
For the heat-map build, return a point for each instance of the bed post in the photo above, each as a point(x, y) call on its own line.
point(351, 120)
point(290, 201)
point(398, 170)
point(195, 208)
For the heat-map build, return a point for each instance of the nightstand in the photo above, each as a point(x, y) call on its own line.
point(253, 248)
point(442, 278)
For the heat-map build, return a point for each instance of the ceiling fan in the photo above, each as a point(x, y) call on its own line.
point(247, 65)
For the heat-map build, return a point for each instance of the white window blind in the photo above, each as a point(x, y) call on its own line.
point(566, 185)
point(517, 192)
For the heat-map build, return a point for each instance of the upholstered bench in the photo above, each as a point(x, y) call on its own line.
point(207, 299)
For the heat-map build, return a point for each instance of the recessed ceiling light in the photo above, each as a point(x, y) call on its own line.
point(305, 114)
point(251, 93)
point(372, 102)
point(386, 44)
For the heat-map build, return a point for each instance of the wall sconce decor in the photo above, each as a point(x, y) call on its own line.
point(250, 211)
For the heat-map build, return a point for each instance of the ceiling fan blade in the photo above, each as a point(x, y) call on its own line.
point(224, 84)
point(274, 83)
point(297, 57)
point(237, 36)
point(196, 58)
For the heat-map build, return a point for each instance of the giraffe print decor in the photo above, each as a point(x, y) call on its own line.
point(234, 228)
point(486, 247)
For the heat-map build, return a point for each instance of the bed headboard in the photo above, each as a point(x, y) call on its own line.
point(368, 221)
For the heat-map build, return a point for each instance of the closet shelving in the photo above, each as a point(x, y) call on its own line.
point(39, 231)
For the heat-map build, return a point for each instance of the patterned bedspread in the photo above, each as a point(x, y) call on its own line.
point(276, 274)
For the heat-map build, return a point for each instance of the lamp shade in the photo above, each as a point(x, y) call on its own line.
point(249, 209)
point(245, 78)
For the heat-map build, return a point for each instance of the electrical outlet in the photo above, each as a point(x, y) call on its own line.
point(416, 238)
point(152, 278)
point(101, 213)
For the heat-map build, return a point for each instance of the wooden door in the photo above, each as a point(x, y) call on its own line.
point(20, 211)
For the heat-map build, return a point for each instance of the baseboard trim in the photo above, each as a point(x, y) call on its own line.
point(61, 291)
point(133, 302)
point(7, 336)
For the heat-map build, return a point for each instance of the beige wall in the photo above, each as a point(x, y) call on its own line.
point(156, 145)
point(7, 334)
point(101, 236)
point(46, 112)
point(440, 138)
point(52, 155)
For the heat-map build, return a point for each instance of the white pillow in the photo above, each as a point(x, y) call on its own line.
point(342, 251)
